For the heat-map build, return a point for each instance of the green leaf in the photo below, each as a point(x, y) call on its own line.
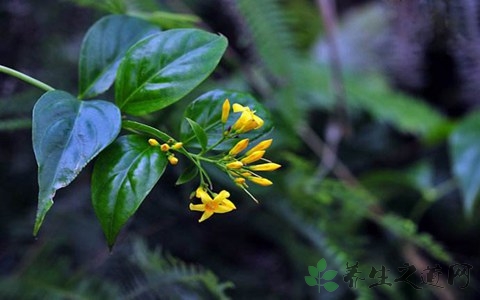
point(465, 152)
point(163, 68)
point(206, 110)
point(313, 271)
point(67, 133)
point(190, 173)
point(330, 286)
point(199, 133)
point(311, 281)
point(168, 20)
point(123, 176)
point(321, 265)
point(329, 275)
point(103, 47)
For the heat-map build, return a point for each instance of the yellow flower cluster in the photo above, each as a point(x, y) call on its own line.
point(240, 168)
point(166, 147)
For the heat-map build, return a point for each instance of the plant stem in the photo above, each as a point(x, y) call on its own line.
point(139, 127)
point(26, 78)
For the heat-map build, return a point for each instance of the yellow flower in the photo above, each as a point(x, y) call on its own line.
point(234, 165)
point(253, 157)
point(239, 147)
point(172, 159)
point(265, 167)
point(177, 145)
point(247, 120)
point(225, 111)
point(263, 145)
point(164, 147)
point(260, 181)
point(219, 204)
point(153, 142)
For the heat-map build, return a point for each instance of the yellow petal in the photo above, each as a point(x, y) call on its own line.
point(221, 209)
point(200, 193)
point(228, 203)
point(258, 120)
point(197, 207)
point(223, 195)
point(263, 145)
point(207, 214)
point(265, 167)
point(164, 147)
point(238, 108)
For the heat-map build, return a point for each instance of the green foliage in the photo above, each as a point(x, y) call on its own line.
point(48, 275)
point(274, 42)
point(407, 114)
point(169, 277)
point(120, 183)
point(154, 274)
point(465, 153)
point(103, 48)
point(151, 71)
point(377, 203)
point(163, 68)
point(67, 134)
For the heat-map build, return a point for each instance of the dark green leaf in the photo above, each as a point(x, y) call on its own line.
point(207, 111)
point(163, 68)
point(311, 281)
point(321, 265)
point(329, 275)
point(103, 47)
point(199, 133)
point(67, 134)
point(187, 175)
point(123, 176)
point(313, 271)
point(465, 151)
point(330, 286)
point(168, 20)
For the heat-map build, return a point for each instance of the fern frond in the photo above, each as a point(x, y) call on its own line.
point(170, 278)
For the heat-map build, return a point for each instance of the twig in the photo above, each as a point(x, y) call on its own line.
point(337, 126)
point(320, 148)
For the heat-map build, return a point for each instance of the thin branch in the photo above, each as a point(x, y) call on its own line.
point(337, 126)
point(320, 148)
point(30, 80)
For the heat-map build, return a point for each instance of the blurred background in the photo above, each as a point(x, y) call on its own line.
point(369, 100)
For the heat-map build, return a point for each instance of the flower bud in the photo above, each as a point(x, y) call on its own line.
point(153, 142)
point(263, 145)
point(260, 181)
point(234, 165)
point(265, 167)
point(225, 111)
point(253, 157)
point(239, 147)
